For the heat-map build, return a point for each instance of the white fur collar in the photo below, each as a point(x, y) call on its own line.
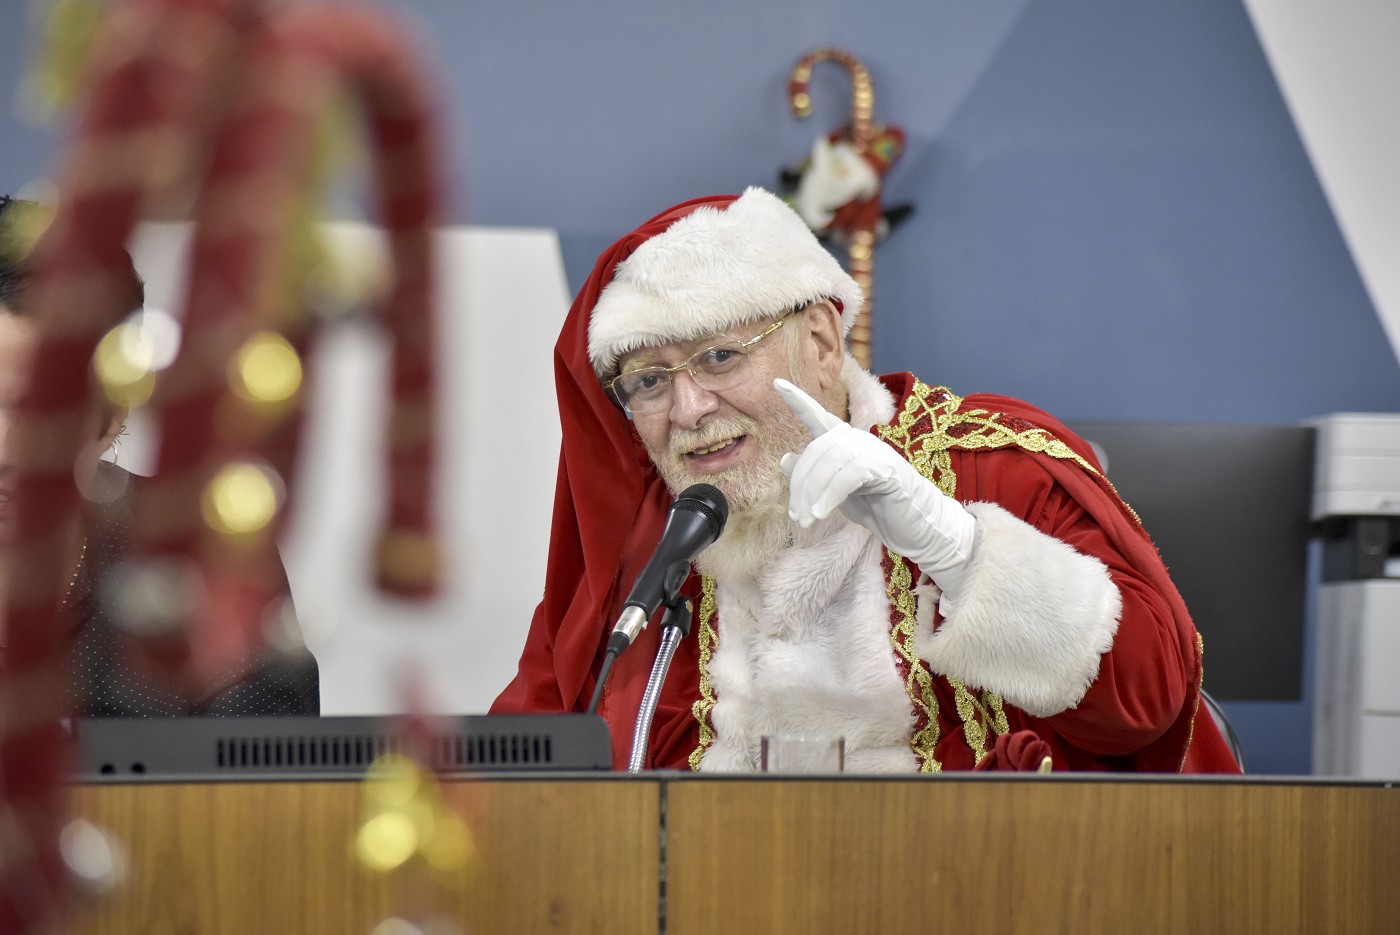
point(870, 403)
point(804, 648)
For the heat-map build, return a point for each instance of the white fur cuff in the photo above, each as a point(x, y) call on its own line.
point(1032, 620)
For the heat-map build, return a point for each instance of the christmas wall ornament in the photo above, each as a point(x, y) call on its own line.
point(837, 189)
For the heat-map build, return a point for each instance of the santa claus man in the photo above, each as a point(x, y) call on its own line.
point(942, 581)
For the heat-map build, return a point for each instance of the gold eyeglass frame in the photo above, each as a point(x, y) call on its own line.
point(686, 364)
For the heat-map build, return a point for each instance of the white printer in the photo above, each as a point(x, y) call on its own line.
point(1356, 510)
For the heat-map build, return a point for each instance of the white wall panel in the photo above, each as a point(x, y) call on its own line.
point(1339, 73)
point(503, 299)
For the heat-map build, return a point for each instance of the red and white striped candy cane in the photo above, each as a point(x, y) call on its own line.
point(297, 65)
point(159, 79)
point(861, 249)
point(149, 73)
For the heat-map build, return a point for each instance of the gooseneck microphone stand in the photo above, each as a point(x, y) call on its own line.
point(675, 624)
point(634, 620)
point(695, 520)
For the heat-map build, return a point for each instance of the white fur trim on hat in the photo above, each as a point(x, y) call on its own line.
point(713, 270)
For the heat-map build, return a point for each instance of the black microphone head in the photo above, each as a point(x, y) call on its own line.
point(707, 500)
point(696, 519)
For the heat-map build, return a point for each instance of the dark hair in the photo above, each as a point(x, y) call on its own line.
point(15, 272)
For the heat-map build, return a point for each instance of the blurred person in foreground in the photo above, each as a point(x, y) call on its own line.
point(104, 681)
point(945, 582)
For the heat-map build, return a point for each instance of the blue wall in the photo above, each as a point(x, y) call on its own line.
point(1120, 223)
point(1115, 216)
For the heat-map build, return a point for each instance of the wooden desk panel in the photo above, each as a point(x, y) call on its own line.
point(1031, 857)
point(250, 857)
point(855, 855)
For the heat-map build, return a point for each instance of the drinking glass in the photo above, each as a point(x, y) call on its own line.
point(802, 753)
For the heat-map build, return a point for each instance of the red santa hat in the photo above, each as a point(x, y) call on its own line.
point(724, 262)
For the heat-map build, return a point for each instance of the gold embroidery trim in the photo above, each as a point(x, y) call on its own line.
point(989, 431)
point(997, 710)
point(932, 461)
point(708, 638)
point(918, 683)
point(973, 731)
point(1196, 711)
point(929, 452)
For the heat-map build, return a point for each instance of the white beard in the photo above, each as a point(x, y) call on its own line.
point(758, 528)
point(755, 534)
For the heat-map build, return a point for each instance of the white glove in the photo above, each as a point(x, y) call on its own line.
point(847, 468)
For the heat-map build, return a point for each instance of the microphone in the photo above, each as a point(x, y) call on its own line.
point(696, 520)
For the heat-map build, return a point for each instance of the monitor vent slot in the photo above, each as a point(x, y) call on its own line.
point(447, 751)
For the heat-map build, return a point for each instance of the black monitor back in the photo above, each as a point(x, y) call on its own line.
point(209, 748)
point(1228, 507)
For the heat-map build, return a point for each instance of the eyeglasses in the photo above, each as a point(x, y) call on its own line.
point(715, 369)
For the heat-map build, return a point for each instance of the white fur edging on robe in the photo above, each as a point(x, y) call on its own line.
point(1032, 621)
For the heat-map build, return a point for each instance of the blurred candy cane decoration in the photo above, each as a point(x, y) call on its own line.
point(839, 188)
point(225, 474)
point(163, 76)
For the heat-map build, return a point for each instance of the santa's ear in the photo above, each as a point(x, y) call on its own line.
point(826, 342)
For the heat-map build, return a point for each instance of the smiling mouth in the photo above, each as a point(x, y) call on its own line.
point(716, 448)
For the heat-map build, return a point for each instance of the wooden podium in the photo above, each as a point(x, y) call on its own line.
point(685, 855)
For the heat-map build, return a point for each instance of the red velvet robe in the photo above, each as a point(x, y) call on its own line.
point(1142, 712)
